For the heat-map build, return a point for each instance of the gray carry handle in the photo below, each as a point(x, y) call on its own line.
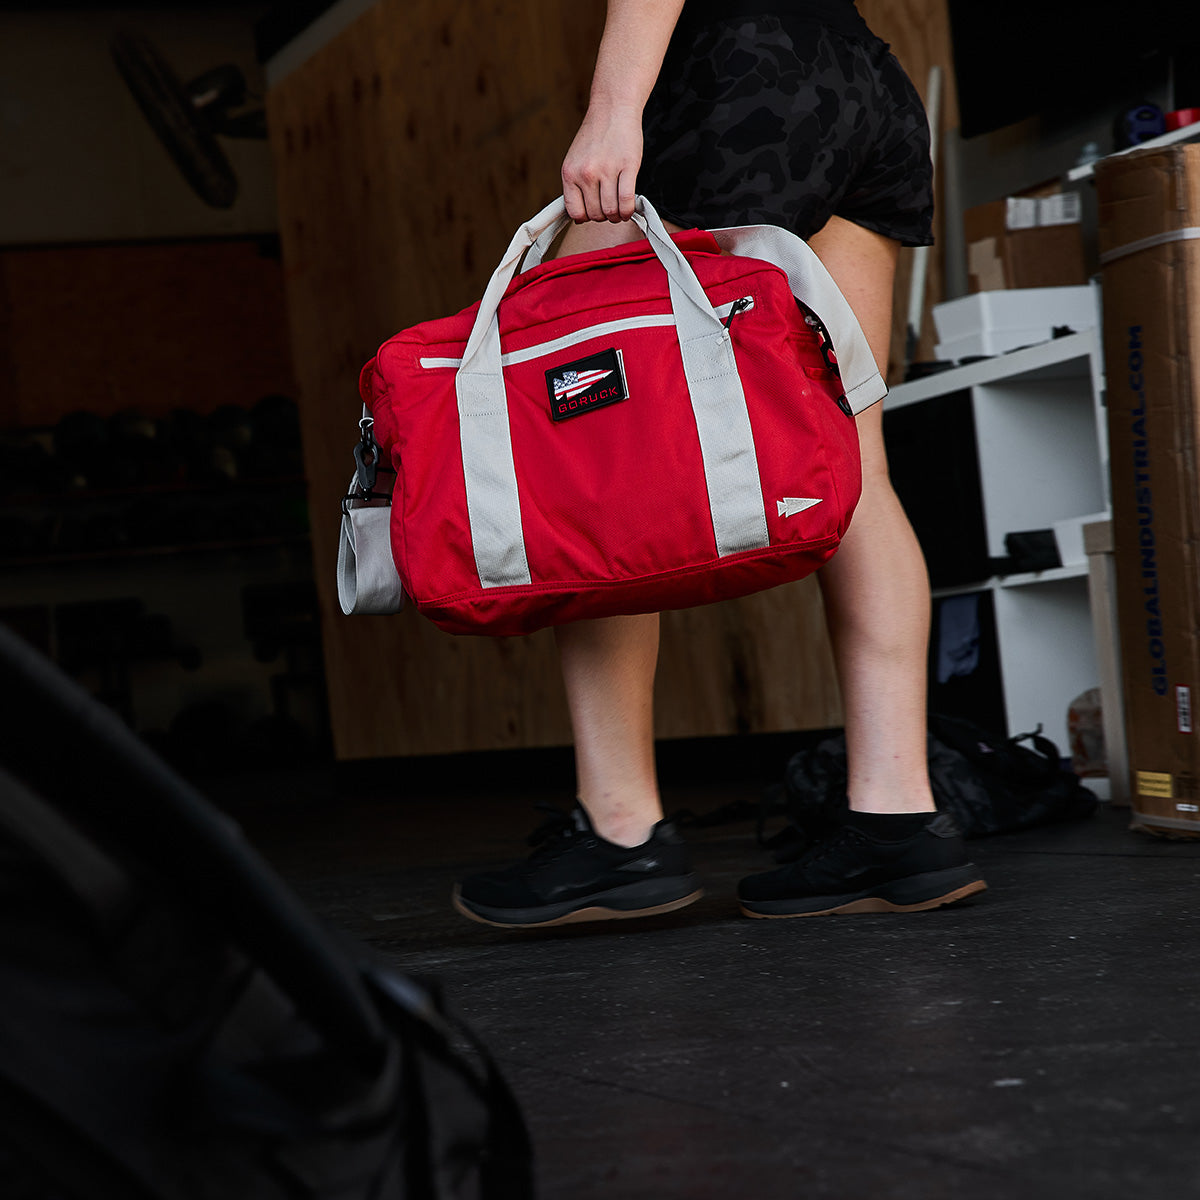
point(809, 281)
point(710, 371)
point(714, 388)
point(692, 308)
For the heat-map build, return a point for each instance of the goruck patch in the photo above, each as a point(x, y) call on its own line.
point(586, 384)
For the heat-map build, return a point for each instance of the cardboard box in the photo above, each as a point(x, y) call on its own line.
point(1149, 238)
point(1024, 242)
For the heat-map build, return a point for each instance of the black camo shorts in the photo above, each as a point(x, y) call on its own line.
point(770, 120)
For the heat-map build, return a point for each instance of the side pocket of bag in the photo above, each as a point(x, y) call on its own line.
point(837, 431)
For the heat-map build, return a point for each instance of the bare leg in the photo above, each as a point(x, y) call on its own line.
point(895, 853)
point(876, 588)
point(608, 667)
point(876, 598)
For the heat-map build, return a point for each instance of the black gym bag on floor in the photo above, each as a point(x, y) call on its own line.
point(175, 1026)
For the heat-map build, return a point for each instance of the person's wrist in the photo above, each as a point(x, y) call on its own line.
point(610, 108)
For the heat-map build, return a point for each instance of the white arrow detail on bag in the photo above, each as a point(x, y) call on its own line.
point(789, 506)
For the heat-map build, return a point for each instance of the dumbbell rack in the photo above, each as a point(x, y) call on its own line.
point(141, 590)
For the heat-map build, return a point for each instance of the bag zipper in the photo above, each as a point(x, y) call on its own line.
point(653, 320)
point(738, 306)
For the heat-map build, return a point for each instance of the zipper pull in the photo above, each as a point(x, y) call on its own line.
point(738, 306)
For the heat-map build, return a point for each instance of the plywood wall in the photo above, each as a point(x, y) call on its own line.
point(407, 151)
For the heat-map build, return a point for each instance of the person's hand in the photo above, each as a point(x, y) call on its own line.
point(599, 174)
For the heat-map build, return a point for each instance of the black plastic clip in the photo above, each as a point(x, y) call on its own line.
point(366, 458)
point(827, 352)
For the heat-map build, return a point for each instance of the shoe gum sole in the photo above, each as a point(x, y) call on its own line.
point(594, 913)
point(876, 904)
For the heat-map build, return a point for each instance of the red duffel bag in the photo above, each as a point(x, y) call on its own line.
point(647, 427)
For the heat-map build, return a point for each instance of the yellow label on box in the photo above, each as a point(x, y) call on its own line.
point(1154, 783)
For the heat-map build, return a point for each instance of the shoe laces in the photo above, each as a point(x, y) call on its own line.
point(555, 834)
point(827, 847)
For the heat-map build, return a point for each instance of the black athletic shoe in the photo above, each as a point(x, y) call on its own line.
point(575, 875)
point(849, 871)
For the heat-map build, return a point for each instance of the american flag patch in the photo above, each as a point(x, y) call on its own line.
point(586, 384)
point(573, 382)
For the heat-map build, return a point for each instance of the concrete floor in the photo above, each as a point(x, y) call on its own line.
point(1039, 1041)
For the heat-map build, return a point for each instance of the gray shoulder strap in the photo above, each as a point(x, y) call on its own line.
point(811, 283)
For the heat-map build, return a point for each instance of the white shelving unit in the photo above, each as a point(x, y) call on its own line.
point(1041, 442)
point(1188, 133)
